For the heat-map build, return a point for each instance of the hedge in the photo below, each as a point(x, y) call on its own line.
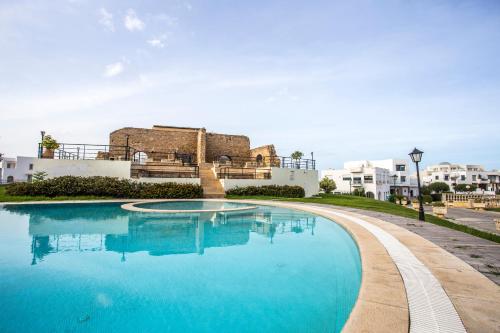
point(285, 191)
point(105, 187)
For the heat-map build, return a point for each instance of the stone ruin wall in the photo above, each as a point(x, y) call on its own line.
point(268, 152)
point(156, 143)
point(230, 145)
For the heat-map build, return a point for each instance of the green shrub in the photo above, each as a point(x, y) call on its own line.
point(426, 198)
point(327, 185)
point(436, 196)
point(439, 187)
point(359, 192)
point(391, 198)
point(105, 187)
point(269, 190)
point(465, 187)
point(438, 204)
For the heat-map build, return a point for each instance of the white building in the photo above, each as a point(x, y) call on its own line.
point(452, 174)
point(378, 178)
point(18, 169)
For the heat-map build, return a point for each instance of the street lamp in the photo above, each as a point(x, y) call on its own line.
point(40, 148)
point(416, 157)
point(394, 178)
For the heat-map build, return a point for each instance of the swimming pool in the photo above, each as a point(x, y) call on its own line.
point(100, 268)
point(187, 206)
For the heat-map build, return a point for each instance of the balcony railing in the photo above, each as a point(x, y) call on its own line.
point(264, 161)
point(76, 151)
point(243, 173)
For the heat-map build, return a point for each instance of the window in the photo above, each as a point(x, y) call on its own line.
point(29, 178)
point(9, 166)
point(474, 177)
point(356, 180)
point(437, 177)
point(403, 179)
point(10, 179)
point(346, 179)
point(446, 177)
point(462, 177)
point(31, 166)
point(400, 167)
point(368, 179)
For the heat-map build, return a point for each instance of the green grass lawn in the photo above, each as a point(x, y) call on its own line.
point(493, 209)
point(9, 198)
point(383, 207)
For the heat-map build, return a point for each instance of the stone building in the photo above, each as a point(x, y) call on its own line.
point(193, 145)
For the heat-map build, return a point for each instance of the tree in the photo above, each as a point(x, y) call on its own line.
point(328, 185)
point(297, 155)
point(465, 187)
point(39, 176)
point(425, 190)
point(439, 187)
point(50, 143)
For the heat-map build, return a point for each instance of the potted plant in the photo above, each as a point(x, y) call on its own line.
point(415, 204)
point(296, 156)
point(479, 204)
point(439, 209)
point(49, 145)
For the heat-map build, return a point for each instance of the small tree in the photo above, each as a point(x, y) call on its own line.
point(39, 176)
point(439, 187)
point(328, 185)
point(297, 155)
point(465, 187)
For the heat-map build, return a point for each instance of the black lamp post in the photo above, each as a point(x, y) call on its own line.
point(416, 157)
point(40, 148)
point(394, 177)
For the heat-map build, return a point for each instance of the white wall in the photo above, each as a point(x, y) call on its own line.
point(21, 171)
point(84, 168)
point(194, 181)
point(308, 179)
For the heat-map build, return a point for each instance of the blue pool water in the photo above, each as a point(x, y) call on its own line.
point(192, 205)
point(99, 268)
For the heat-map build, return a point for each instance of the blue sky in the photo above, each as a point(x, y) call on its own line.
point(348, 80)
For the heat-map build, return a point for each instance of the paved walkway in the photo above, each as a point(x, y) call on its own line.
point(481, 254)
point(478, 219)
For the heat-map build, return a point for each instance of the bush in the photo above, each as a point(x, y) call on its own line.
point(436, 196)
point(105, 187)
point(359, 192)
point(426, 198)
point(438, 204)
point(391, 198)
point(327, 185)
point(465, 187)
point(269, 190)
point(439, 187)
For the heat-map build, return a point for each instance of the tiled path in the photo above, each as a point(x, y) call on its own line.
point(481, 254)
point(478, 219)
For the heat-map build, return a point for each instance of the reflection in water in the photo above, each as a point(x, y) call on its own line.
point(106, 227)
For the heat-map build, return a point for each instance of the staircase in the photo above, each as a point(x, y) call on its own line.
point(212, 188)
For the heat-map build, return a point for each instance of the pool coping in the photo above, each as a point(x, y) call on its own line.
point(131, 206)
point(382, 304)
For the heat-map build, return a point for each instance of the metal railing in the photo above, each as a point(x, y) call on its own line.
point(243, 173)
point(76, 151)
point(161, 170)
point(264, 161)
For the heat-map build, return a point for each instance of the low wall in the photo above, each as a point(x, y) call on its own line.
point(308, 179)
point(83, 168)
point(194, 181)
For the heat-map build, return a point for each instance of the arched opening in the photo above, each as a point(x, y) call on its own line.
point(370, 195)
point(379, 196)
point(259, 159)
point(224, 159)
point(139, 157)
point(10, 179)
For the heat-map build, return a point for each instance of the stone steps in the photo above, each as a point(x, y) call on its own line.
point(212, 188)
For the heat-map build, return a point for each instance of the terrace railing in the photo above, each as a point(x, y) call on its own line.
point(243, 173)
point(264, 161)
point(74, 151)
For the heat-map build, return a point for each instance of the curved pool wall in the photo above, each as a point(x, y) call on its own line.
point(97, 267)
point(186, 206)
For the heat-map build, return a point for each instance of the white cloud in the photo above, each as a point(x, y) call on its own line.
point(113, 69)
point(132, 22)
point(158, 42)
point(106, 19)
